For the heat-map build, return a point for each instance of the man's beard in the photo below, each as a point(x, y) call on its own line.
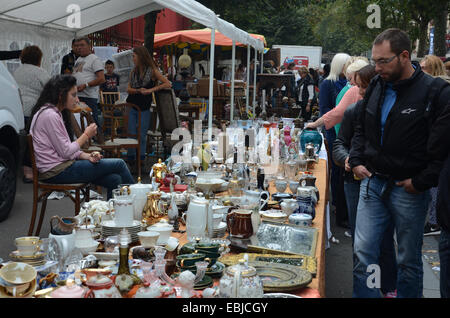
point(396, 75)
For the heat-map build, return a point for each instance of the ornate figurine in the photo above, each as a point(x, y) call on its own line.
point(158, 171)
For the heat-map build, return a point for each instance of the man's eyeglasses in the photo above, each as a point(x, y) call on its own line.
point(383, 61)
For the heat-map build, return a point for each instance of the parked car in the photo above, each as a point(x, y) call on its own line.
point(12, 139)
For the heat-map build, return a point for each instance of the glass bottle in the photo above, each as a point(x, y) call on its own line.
point(125, 281)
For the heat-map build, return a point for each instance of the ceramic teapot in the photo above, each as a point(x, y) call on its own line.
point(252, 199)
point(310, 135)
point(69, 291)
point(140, 190)
point(101, 286)
point(241, 281)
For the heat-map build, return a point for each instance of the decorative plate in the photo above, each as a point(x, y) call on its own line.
point(281, 277)
point(302, 261)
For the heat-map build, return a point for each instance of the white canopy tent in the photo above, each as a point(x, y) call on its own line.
point(57, 20)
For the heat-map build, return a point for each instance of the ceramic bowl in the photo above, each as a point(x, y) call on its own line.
point(91, 272)
point(87, 247)
point(148, 238)
point(165, 230)
point(273, 215)
point(7, 292)
point(301, 219)
point(18, 273)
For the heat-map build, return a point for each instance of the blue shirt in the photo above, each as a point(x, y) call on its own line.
point(390, 97)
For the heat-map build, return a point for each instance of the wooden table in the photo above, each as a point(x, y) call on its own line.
point(316, 288)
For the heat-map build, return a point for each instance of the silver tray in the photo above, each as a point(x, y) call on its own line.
point(286, 238)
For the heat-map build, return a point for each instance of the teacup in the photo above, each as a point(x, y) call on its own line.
point(207, 247)
point(17, 290)
point(28, 245)
point(188, 260)
point(210, 256)
point(148, 238)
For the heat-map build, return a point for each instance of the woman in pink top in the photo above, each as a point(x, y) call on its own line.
point(59, 158)
point(334, 116)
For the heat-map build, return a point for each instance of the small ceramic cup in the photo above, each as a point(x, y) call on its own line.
point(189, 260)
point(148, 238)
point(28, 245)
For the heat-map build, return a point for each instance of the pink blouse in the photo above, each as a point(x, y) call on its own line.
point(334, 116)
point(52, 145)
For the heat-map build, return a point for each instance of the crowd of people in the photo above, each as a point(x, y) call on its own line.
point(48, 103)
point(386, 122)
point(390, 152)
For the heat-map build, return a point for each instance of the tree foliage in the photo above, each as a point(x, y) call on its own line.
point(336, 25)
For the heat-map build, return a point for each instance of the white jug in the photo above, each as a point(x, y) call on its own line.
point(196, 217)
point(124, 208)
point(66, 243)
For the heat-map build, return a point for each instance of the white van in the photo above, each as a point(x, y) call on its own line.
point(12, 137)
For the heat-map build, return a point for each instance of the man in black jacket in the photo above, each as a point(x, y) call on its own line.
point(391, 153)
point(68, 60)
point(443, 217)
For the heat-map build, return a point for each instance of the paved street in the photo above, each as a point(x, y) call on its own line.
point(338, 257)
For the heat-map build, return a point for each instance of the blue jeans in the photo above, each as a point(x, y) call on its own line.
point(388, 259)
point(351, 190)
point(132, 129)
point(444, 258)
point(407, 213)
point(108, 173)
point(93, 104)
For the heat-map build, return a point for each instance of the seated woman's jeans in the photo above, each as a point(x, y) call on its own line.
point(108, 173)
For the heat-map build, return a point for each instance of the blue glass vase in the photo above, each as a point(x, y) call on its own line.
point(311, 136)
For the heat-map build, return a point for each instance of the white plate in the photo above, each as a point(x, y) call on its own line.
point(112, 224)
point(105, 256)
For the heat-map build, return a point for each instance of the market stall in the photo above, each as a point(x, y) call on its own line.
point(70, 21)
point(195, 226)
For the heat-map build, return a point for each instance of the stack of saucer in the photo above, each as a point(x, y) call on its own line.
point(109, 228)
point(37, 259)
point(220, 230)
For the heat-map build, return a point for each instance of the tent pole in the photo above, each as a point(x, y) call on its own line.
point(211, 82)
point(254, 83)
point(233, 66)
point(247, 91)
point(262, 60)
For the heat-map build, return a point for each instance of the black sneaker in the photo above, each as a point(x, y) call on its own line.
point(431, 229)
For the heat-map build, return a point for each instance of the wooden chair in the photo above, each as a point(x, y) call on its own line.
point(119, 137)
point(109, 97)
point(41, 191)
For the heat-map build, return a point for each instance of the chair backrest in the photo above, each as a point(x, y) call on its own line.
point(109, 97)
point(33, 159)
point(166, 106)
point(86, 119)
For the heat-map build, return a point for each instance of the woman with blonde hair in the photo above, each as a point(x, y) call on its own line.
point(144, 80)
point(349, 96)
point(433, 65)
point(328, 91)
